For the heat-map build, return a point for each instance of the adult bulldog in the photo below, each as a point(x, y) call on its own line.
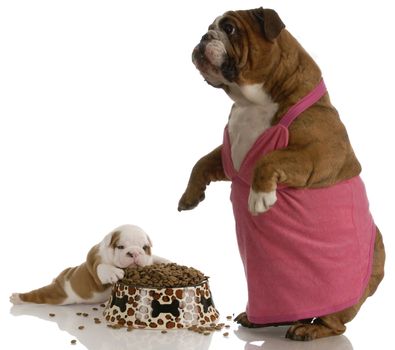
point(311, 251)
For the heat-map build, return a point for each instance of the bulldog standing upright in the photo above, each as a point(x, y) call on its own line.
point(311, 251)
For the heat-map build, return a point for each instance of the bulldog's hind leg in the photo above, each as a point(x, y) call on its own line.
point(334, 324)
point(51, 294)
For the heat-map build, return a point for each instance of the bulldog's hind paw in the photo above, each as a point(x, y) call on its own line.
point(16, 299)
point(310, 331)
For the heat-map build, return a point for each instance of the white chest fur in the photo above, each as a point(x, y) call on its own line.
point(251, 114)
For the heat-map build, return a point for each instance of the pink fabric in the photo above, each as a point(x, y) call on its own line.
point(311, 253)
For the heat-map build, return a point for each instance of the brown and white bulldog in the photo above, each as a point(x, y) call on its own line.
point(91, 282)
point(264, 70)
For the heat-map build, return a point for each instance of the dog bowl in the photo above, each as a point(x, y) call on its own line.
point(161, 308)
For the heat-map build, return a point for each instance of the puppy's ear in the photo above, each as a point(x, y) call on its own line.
point(149, 241)
point(112, 239)
point(269, 21)
point(147, 247)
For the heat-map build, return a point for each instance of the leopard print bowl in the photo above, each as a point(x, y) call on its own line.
point(161, 308)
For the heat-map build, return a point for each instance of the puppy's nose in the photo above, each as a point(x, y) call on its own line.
point(129, 254)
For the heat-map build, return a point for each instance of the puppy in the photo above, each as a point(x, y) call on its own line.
point(90, 282)
point(311, 251)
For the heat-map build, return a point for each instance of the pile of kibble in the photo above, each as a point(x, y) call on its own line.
point(163, 275)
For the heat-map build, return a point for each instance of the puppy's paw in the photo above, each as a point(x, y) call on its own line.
point(260, 202)
point(16, 299)
point(109, 274)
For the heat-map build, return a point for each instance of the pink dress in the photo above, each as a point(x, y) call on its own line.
point(311, 253)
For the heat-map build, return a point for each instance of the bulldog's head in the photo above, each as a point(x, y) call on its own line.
point(239, 47)
point(127, 245)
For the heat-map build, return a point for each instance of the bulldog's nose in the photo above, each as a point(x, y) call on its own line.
point(206, 37)
point(129, 254)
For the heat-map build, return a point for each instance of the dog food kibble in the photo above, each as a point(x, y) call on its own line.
point(73, 342)
point(85, 314)
point(163, 275)
point(228, 317)
point(164, 332)
point(226, 334)
point(206, 330)
point(79, 313)
point(81, 327)
point(95, 309)
point(103, 305)
point(52, 315)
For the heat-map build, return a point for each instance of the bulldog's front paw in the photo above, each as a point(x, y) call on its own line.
point(109, 274)
point(190, 199)
point(260, 202)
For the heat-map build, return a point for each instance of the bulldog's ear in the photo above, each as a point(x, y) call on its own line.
point(111, 240)
point(269, 21)
point(149, 241)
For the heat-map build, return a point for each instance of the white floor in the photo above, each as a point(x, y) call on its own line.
point(31, 326)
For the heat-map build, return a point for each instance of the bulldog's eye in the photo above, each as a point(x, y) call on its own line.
point(120, 247)
point(228, 28)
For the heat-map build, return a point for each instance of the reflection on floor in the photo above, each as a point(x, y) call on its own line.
point(98, 336)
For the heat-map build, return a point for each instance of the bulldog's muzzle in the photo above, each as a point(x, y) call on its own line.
point(212, 60)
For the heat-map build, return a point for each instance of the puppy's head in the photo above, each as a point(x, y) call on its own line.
point(238, 44)
point(128, 245)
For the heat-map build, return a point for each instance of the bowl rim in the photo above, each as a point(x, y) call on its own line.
point(120, 283)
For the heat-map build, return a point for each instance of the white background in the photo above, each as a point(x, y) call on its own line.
point(102, 116)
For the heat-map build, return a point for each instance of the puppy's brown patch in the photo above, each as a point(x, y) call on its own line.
point(83, 280)
point(147, 249)
point(115, 239)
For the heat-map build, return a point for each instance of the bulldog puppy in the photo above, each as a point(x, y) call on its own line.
point(311, 251)
point(91, 282)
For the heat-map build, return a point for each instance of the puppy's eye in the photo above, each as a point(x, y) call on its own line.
point(228, 28)
point(120, 247)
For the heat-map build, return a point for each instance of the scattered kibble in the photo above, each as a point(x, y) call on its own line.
point(73, 342)
point(130, 329)
point(228, 317)
point(227, 326)
point(81, 327)
point(206, 329)
point(85, 314)
point(97, 320)
point(95, 309)
point(103, 305)
point(164, 332)
point(78, 313)
point(52, 315)
point(226, 334)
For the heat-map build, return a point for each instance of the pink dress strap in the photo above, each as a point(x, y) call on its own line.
point(303, 104)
